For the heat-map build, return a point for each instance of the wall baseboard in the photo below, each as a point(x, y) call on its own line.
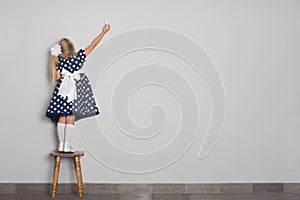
point(153, 188)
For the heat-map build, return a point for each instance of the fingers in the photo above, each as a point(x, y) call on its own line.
point(106, 27)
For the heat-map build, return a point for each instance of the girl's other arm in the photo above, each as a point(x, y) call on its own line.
point(58, 75)
point(96, 41)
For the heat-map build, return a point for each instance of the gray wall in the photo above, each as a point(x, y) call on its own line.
point(248, 56)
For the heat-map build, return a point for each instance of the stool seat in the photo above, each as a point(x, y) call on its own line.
point(76, 153)
point(76, 156)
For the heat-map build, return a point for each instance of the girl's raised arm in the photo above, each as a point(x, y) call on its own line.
point(96, 41)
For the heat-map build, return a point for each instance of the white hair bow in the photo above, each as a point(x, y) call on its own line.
point(55, 50)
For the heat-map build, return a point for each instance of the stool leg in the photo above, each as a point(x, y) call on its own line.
point(55, 176)
point(78, 176)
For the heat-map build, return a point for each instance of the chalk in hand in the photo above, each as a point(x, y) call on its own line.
point(105, 22)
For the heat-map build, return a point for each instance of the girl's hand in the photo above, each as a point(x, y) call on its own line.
point(106, 28)
point(58, 75)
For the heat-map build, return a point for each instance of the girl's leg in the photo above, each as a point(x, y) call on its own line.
point(62, 119)
point(69, 133)
point(70, 119)
point(61, 132)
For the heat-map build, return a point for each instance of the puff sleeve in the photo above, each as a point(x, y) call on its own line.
point(81, 56)
point(60, 65)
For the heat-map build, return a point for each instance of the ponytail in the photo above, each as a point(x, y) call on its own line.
point(52, 68)
point(63, 49)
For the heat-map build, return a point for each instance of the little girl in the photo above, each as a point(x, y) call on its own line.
point(72, 97)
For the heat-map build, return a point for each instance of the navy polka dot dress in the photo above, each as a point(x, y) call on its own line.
point(84, 104)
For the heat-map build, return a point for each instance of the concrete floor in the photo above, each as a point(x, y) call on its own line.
point(155, 196)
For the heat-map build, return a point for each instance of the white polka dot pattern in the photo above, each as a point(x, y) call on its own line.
point(82, 107)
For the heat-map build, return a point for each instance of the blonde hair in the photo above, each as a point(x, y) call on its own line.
point(67, 49)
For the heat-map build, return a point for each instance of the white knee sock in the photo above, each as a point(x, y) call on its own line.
point(61, 132)
point(69, 133)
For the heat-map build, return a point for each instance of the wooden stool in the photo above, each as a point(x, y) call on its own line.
point(76, 156)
